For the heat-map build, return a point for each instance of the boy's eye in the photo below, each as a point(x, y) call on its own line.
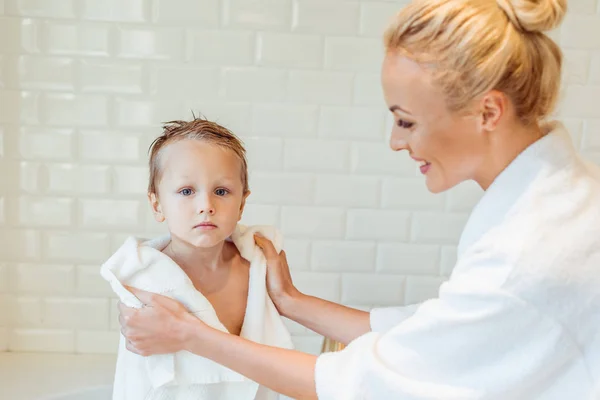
point(221, 192)
point(186, 192)
point(404, 124)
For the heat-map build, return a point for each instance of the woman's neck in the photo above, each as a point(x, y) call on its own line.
point(505, 144)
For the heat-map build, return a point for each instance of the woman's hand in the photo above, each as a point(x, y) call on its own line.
point(279, 280)
point(163, 325)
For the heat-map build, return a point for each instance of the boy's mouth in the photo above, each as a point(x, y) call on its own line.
point(205, 225)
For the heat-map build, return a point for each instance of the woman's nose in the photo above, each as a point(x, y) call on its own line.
point(397, 143)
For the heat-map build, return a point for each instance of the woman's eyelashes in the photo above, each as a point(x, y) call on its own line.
point(405, 124)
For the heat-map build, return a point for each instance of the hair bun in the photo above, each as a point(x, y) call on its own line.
point(534, 15)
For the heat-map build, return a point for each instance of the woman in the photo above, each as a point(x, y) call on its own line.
point(468, 82)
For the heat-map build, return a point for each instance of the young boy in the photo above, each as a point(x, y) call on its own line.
point(198, 186)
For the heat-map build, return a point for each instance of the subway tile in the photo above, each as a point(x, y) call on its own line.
point(343, 256)
point(264, 153)
point(192, 83)
point(347, 191)
point(89, 283)
point(23, 30)
point(46, 73)
point(2, 213)
point(72, 109)
point(578, 101)
point(421, 288)
point(297, 253)
point(18, 107)
point(42, 8)
point(160, 43)
point(106, 146)
point(7, 309)
point(410, 193)
point(31, 177)
point(20, 244)
point(27, 312)
point(131, 180)
point(576, 66)
point(284, 120)
point(71, 38)
point(594, 77)
point(199, 12)
point(408, 258)
point(41, 143)
point(99, 76)
point(278, 188)
point(97, 342)
point(290, 50)
point(3, 339)
point(375, 16)
point(584, 7)
point(378, 225)
point(352, 122)
point(3, 138)
point(76, 313)
point(367, 90)
point(580, 32)
point(45, 278)
point(258, 14)
point(115, 10)
point(235, 117)
point(139, 112)
point(316, 155)
point(222, 48)
point(307, 344)
point(74, 178)
point(353, 54)
point(320, 87)
point(256, 85)
point(448, 260)
point(6, 283)
point(325, 17)
point(76, 246)
point(372, 289)
point(464, 197)
point(42, 340)
point(323, 285)
point(313, 222)
point(260, 214)
point(109, 213)
point(591, 135)
point(437, 227)
point(45, 211)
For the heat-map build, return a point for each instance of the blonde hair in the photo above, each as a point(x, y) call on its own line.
point(196, 129)
point(474, 46)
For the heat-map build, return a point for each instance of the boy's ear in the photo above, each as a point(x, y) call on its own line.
point(156, 208)
point(243, 204)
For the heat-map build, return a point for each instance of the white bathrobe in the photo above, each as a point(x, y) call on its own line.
point(519, 317)
point(182, 376)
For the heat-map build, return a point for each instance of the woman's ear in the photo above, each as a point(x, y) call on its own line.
point(243, 204)
point(493, 106)
point(156, 208)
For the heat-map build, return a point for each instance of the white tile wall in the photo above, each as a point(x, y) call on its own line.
point(85, 84)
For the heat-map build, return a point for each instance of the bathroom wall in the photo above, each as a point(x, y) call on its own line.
point(84, 85)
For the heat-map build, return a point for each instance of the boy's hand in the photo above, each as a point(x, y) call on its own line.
point(161, 326)
point(279, 280)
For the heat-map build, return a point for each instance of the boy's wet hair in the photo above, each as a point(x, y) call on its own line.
point(199, 128)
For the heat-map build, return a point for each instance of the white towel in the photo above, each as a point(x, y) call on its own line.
point(183, 375)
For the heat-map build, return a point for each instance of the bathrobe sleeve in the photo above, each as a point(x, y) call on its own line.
point(471, 342)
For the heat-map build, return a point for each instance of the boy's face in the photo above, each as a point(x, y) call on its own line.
point(200, 192)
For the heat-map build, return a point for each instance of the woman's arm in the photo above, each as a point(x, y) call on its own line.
point(164, 326)
point(332, 320)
